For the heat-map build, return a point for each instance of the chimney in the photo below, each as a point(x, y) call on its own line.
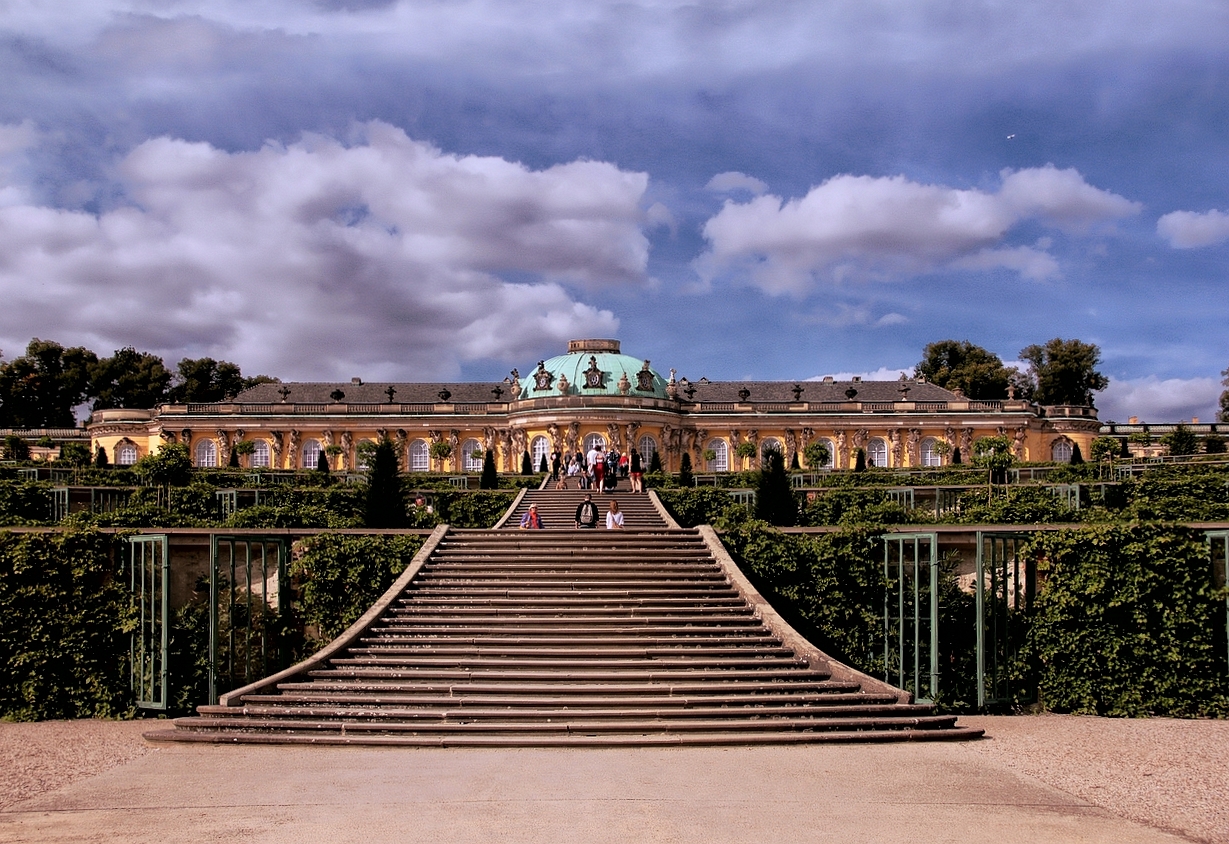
point(357, 382)
point(1134, 420)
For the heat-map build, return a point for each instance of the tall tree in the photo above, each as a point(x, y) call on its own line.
point(1065, 371)
point(978, 373)
point(41, 388)
point(129, 379)
point(207, 380)
point(774, 498)
point(1224, 397)
point(385, 504)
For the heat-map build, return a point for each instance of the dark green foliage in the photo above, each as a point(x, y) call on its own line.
point(655, 463)
point(686, 479)
point(526, 463)
point(1223, 416)
point(188, 656)
point(342, 576)
point(699, 506)
point(322, 462)
point(100, 458)
point(851, 506)
point(1181, 440)
point(774, 499)
point(233, 460)
point(169, 466)
point(859, 462)
point(129, 379)
point(25, 503)
point(64, 618)
point(1065, 371)
point(1103, 448)
point(15, 448)
point(1128, 623)
point(490, 477)
point(480, 509)
point(958, 364)
point(75, 454)
point(41, 388)
point(1214, 444)
point(207, 380)
point(385, 507)
point(1077, 456)
point(543, 466)
point(794, 465)
point(956, 459)
point(817, 454)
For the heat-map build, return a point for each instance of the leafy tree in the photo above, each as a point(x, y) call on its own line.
point(976, 372)
point(41, 388)
point(1223, 416)
point(75, 454)
point(1181, 440)
point(15, 448)
point(129, 379)
point(1065, 371)
point(490, 478)
point(385, 506)
point(995, 456)
point(1104, 448)
point(774, 500)
point(685, 476)
point(169, 466)
point(207, 380)
point(243, 448)
point(1214, 444)
point(817, 454)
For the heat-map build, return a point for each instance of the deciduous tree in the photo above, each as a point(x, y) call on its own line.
point(976, 372)
point(1065, 371)
point(41, 388)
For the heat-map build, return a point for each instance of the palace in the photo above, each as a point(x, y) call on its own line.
point(594, 394)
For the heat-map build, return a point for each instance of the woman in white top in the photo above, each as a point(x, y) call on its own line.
point(614, 519)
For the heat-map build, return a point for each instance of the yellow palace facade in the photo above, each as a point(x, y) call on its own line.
point(594, 394)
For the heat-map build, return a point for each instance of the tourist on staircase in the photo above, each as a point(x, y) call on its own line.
point(637, 472)
point(531, 520)
point(614, 518)
point(586, 513)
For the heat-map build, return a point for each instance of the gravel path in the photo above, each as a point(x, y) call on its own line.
point(1169, 774)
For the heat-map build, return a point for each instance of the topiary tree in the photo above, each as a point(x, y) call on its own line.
point(817, 454)
point(243, 448)
point(440, 451)
point(995, 456)
point(774, 500)
point(490, 478)
point(526, 463)
point(685, 476)
point(655, 462)
point(794, 465)
point(1104, 448)
point(385, 507)
point(859, 460)
point(1181, 440)
point(745, 451)
point(322, 462)
point(1077, 456)
point(75, 454)
point(543, 466)
point(169, 466)
point(100, 458)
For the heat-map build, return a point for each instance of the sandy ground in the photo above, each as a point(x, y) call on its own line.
point(1028, 778)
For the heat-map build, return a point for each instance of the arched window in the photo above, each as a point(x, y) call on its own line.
point(420, 456)
point(539, 447)
point(771, 444)
point(721, 462)
point(592, 440)
point(311, 454)
point(877, 452)
point(206, 454)
point(125, 454)
point(1060, 452)
point(469, 463)
point(929, 453)
point(260, 454)
point(646, 446)
point(831, 461)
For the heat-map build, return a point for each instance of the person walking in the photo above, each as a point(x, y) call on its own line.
point(531, 520)
point(637, 472)
point(598, 466)
point(554, 465)
point(614, 518)
point(586, 513)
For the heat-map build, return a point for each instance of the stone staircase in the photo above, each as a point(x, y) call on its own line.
point(545, 638)
point(557, 508)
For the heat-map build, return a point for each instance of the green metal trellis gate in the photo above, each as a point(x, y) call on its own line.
point(148, 569)
point(1004, 589)
point(247, 601)
point(911, 613)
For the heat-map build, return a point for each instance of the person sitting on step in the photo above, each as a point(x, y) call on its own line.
point(586, 513)
point(614, 518)
point(531, 520)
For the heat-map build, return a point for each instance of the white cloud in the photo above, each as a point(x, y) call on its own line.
point(883, 373)
point(1192, 229)
point(865, 226)
point(384, 257)
point(1155, 400)
point(733, 180)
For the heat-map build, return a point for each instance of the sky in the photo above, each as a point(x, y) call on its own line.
point(446, 189)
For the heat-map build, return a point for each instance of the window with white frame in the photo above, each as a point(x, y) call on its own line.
point(470, 463)
point(877, 452)
point(929, 452)
point(593, 440)
point(646, 445)
point(771, 444)
point(260, 454)
point(420, 456)
point(831, 461)
point(125, 454)
point(206, 454)
point(1061, 451)
point(721, 458)
point(311, 454)
point(539, 448)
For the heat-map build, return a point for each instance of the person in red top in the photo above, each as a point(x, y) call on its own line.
point(531, 520)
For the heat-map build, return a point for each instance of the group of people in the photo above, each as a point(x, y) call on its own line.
point(586, 516)
point(597, 469)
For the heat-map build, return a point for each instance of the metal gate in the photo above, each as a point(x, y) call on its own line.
point(247, 599)
point(1218, 550)
point(911, 613)
point(149, 569)
point(1005, 588)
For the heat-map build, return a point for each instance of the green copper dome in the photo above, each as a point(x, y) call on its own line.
point(593, 368)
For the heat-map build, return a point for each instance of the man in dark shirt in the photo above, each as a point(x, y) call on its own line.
point(586, 513)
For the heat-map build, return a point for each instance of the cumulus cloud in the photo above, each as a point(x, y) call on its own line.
point(1192, 229)
point(732, 180)
point(1160, 400)
point(385, 257)
point(865, 226)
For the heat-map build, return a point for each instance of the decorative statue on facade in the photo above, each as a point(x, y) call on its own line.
point(518, 442)
point(915, 452)
point(966, 443)
point(625, 386)
point(614, 437)
point(296, 439)
point(347, 445)
point(516, 385)
point(553, 430)
point(563, 385)
point(572, 441)
point(403, 448)
point(1017, 442)
point(223, 441)
point(841, 459)
point(594, 377)
point(672, 386)
point(631, 428)
point(644, 379)
point(791, 443)
point(542, 379)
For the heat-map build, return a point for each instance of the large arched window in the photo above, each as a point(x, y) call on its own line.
point(125, 454)
point(877, 452)
point(592, 440)
point(646, 445)
point(420, 456)
point(831, 461)
point(260, 454)
point(1061, 451)
point(771, 444)
point(311, 454)
point(721, 460)
point(469, 463)
point(539, 447)
point(929, 452)
point(206, 454)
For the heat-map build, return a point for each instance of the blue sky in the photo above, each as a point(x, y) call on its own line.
point(444, 190)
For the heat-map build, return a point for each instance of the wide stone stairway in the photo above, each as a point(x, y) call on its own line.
point(645, 636)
